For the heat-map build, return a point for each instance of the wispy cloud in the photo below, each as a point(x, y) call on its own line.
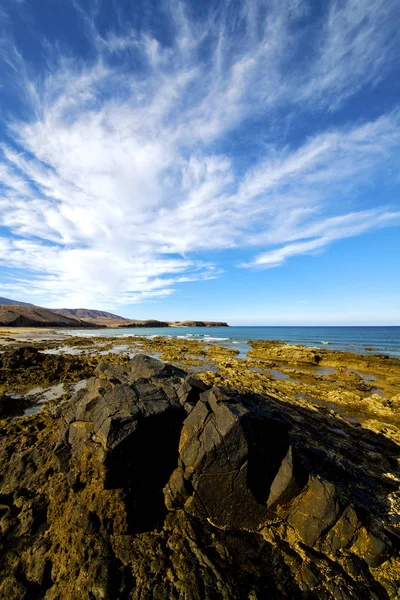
point(325, 232)
point(123, 174)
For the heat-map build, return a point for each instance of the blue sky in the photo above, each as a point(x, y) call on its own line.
point(217, 160)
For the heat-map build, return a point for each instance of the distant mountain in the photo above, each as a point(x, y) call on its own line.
point(88, 314)
point(35, 316)
point(22, 314)
point(7, 302)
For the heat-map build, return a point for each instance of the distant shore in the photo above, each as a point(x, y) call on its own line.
point(362, 340)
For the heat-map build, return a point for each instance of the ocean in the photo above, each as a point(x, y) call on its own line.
point(364, 340)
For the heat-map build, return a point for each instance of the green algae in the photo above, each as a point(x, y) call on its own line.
point(361, 386)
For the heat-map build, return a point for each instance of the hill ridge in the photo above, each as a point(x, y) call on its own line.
point(8, 302)
point(88, 313)
point(36, 316)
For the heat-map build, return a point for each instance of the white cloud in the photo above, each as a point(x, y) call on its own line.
point(113, 187)
point(326, 232)
point(356, 45)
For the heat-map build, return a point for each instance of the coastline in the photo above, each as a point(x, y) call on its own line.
point(72, 477)
point(360, 340)
point(362, 388)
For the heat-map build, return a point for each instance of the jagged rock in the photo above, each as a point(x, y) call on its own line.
point(131, 411)
point(371, 546)
point(287, 482)
point(229, 456)
point(147, 484)
point(342, 533)
point(316, 511)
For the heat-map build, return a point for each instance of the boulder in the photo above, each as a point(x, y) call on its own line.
point(246, 466)
point(134, 414)
point(229, 456)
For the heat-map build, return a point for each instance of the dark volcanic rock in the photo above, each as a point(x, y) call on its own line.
point(25, 357)
point(200, 324)
point(27, 364)
point(147, 323)
point(245, 466)
point(229, 456)
point(10, 406)
point(132, 411)
point(149, 485)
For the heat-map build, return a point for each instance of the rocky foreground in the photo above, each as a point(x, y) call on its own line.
point(149, 483)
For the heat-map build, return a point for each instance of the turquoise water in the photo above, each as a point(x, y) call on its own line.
point(353, 339)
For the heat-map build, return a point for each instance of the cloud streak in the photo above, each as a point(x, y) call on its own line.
point(324, 233)
point(122, 183)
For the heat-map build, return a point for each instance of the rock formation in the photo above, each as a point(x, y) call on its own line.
point(27, 364)
point(199, 324)
point(146, 484)
point(147, 323)
point(155, 323)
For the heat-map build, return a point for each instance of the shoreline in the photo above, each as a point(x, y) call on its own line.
point(366, 343)
point(289, 453)
point(358, 388)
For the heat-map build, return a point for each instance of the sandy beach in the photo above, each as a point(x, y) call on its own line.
point(28, 334)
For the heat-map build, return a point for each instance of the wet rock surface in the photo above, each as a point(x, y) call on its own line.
point(10, 406)
point(148, 483)
point(27, 365)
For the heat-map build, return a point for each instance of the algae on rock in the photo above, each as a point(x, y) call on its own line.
point(150, 484)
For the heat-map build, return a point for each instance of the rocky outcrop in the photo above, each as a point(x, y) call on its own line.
point(280, 352)
point(246, 466)
point(27, 364)
point(148, 484)
point(199, 324)
point(148, 323)
point(286, 353)
point(155, 323)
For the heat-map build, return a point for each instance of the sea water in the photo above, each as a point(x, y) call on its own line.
point(364, 340)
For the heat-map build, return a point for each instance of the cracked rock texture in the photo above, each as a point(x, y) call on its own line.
point(148, 485)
